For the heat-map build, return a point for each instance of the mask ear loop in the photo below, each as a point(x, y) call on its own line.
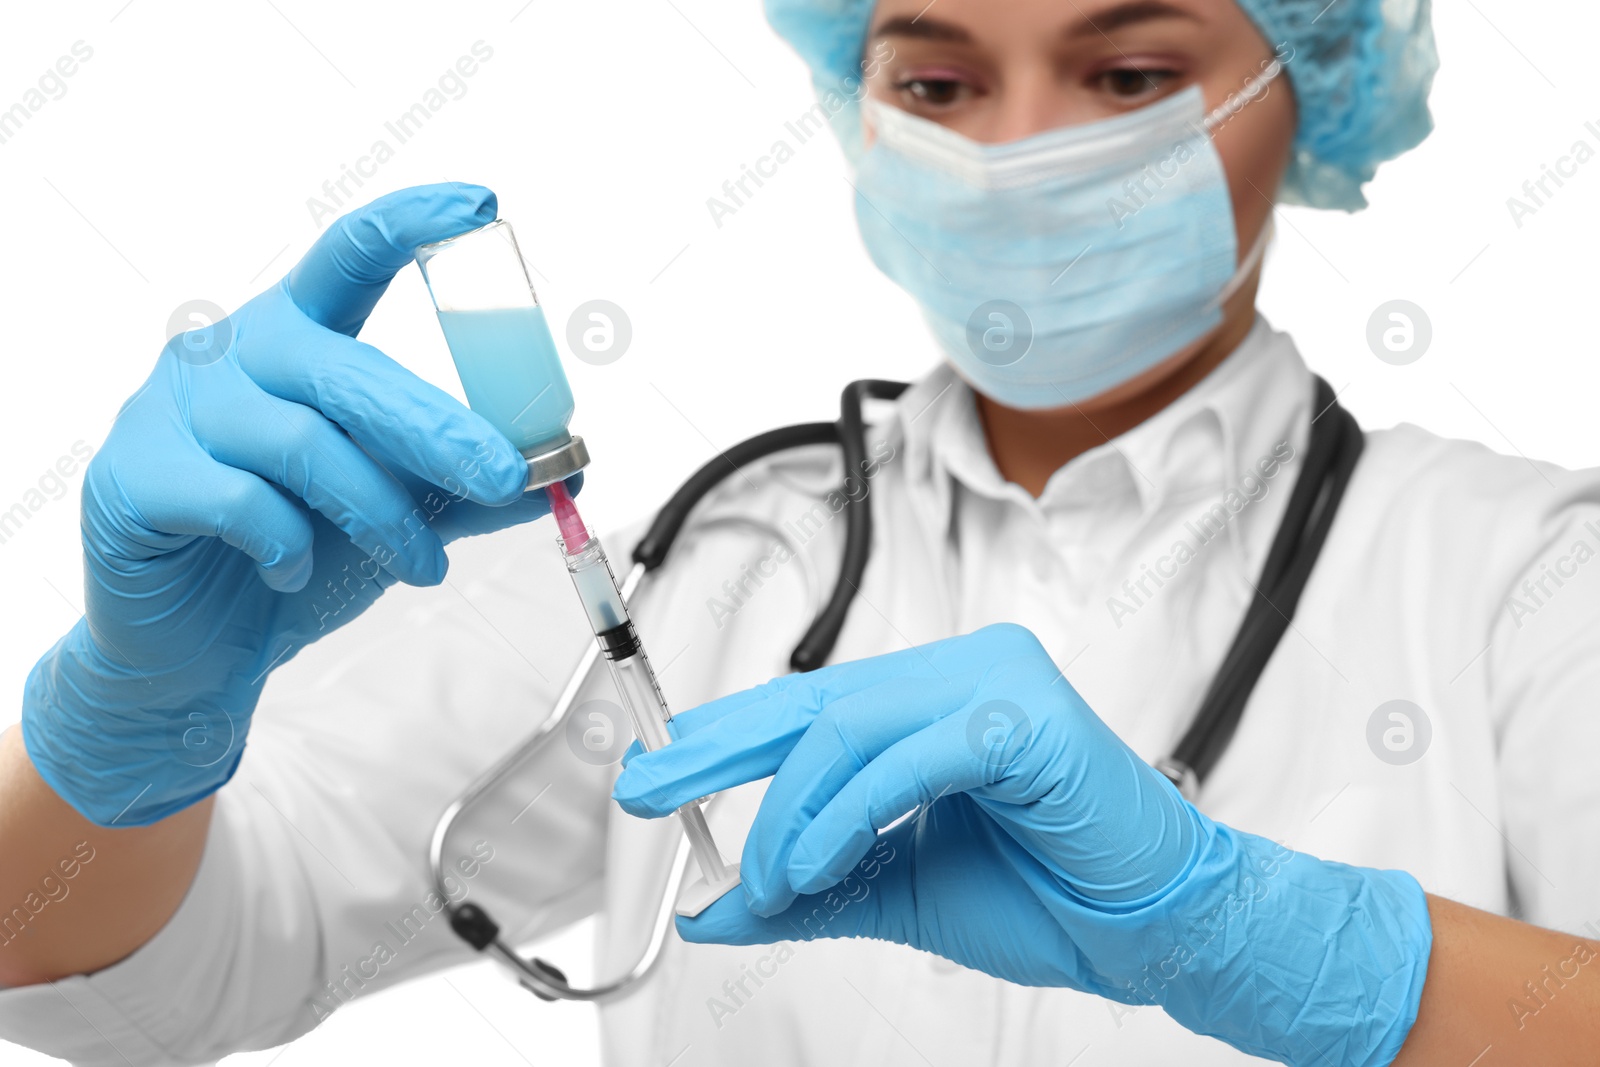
point(1251, 259)
point(1236, 102)
point(1254, 86)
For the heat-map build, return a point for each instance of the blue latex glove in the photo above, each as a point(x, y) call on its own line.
point(270, 479)
point(1040, 850)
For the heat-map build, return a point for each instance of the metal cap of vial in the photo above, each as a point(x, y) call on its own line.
point(558, 464)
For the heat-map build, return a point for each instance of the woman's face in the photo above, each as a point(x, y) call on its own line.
point(1001, 70)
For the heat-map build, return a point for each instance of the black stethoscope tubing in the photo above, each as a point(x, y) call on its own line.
point(1335, 445)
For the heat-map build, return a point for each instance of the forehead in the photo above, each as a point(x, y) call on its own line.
point(970, 19)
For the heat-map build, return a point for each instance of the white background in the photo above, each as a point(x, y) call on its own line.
point(178, 163)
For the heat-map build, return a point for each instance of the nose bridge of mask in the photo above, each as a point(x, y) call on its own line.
point(1062, 153)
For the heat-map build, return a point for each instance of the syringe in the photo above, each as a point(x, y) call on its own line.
point(502, 347)
point(636, 683)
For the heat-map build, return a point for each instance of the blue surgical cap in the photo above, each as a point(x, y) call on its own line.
point(1361, 70)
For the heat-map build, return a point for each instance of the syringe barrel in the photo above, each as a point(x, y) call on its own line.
point(641, 697)
point(636, 682)
point(596, 586)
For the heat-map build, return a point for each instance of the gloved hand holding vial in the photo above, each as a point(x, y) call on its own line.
point(512, 376)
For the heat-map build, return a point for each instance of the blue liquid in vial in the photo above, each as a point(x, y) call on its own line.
point(511, 373)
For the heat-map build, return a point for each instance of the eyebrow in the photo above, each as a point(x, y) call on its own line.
point(1116, 18)
point(921, 29)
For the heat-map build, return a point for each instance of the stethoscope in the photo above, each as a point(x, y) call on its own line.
point(1334, 447)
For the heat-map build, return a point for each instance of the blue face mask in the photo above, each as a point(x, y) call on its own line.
point(1057, 267)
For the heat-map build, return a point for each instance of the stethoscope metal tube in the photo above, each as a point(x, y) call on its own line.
point(471, 922)
point(485, 781)
point(546, 981)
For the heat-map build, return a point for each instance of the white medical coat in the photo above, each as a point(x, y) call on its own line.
point(1460, 580)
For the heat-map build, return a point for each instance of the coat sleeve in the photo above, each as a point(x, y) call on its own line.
point(1542, 659)
point(313, 888)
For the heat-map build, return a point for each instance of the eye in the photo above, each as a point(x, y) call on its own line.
point(932, 92)
point(1127, 84)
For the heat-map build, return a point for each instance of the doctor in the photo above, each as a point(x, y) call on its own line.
point(177, 899)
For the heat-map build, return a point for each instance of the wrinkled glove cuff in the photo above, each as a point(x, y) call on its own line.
point(1279, 954)
point(113, 759)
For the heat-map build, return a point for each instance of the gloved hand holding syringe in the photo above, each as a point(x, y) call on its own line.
point(512, 375)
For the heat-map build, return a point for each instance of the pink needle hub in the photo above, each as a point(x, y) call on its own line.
point(573, 532)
